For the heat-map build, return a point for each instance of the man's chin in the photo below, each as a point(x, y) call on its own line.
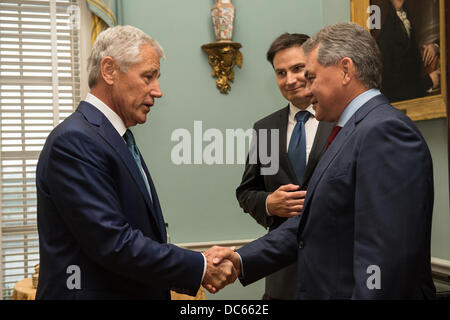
point(143, 117)
point(319, 115)
point(301, 103)
point(142, 121)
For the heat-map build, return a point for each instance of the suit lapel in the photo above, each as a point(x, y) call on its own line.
point(157, 206)
point(329, 155)
point(338, 142)
point(112, 137)
point(318, 147)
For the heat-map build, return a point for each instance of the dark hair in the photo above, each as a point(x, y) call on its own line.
point(285, 41)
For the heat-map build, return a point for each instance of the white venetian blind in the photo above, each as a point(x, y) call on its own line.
point(39, 87)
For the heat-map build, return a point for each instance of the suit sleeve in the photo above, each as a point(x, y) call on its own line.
point(251, 193)
point(270, 253)
point(393, 208)
point(84, 193)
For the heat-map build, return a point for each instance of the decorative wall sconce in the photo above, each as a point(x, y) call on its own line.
point(223, 54)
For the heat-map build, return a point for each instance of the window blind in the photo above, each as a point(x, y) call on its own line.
point(39, 87)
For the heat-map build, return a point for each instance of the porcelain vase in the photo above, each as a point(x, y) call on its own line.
point(222, 14)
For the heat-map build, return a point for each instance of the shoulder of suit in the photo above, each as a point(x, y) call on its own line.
point(71, 123)
point(381, 108)
point(74, 127)
point(267, 120)
point(385, 115)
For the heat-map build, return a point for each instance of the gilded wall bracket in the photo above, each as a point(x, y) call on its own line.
point(223, 56)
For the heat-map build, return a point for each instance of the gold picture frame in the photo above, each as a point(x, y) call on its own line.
point(425, 108)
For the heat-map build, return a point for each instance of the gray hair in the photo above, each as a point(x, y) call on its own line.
point(122, 43)
point(350, 40)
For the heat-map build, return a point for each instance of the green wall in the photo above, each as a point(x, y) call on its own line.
point(199, 201)
point(435, 133)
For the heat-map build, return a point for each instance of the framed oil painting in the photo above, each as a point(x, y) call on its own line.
point(411, 38)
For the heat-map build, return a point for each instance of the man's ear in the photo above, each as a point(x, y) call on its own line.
point(348, 70)
point(108, 70)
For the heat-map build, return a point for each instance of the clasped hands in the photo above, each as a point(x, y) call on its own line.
point(223, 268)
point(287, 201)
point(224, 264)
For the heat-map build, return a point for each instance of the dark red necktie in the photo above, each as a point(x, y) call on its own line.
point(333, 135)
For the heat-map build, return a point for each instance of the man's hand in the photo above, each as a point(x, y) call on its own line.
point(285, 201)
point(222, 268)
point(430, 51)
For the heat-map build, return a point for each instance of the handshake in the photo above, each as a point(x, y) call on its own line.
point(223, 268)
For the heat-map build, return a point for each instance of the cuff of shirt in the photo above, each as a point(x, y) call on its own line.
point(267, 209)
point(204, 268)
point(241, 276)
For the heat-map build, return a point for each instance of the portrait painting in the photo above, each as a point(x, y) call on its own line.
point(409, 34)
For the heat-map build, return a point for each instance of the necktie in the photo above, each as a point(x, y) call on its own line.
point(297, 145)
point(333, 135)
point(135, 152)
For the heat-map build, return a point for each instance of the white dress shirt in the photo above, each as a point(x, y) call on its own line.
point(113, 117)
point(310, 129)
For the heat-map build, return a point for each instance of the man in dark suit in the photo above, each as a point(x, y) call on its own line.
point(273, 198)
point(101, 231)
point(365, 229)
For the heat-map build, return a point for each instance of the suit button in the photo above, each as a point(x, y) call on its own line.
point(301, 244)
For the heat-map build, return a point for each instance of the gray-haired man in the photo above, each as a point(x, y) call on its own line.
point(365, 229)
point(272, 199)
point(101, 230)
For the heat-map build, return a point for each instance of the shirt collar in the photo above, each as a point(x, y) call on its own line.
point(355, 104)
point(293, 111)
point(113, 117)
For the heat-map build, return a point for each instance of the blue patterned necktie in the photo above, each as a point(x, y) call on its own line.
point(135, 152)
point(297, 145)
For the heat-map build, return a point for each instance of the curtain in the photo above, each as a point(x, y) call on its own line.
point(105, 13)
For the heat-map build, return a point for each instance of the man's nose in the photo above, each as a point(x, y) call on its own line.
point(155, 89)
point(290, 78)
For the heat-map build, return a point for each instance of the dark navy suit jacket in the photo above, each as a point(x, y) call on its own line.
point(369, 203)
point(94, 212)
